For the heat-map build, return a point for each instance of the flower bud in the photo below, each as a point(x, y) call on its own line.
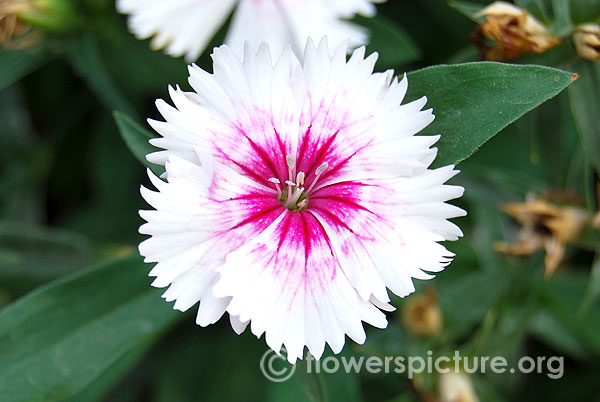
point(586, 39)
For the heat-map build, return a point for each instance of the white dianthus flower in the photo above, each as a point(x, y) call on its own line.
point(297, 194)
point(185, 27)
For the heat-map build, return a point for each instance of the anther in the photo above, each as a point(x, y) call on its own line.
point(300, 179)
point(276, 182)
point(290, 162)
point(318, 173)
point(321, 168)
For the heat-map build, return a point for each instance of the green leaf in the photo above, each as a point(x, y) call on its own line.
point(467, 300)
point(123, 54)
point(468, 9)
point(86, 59)
point(563, 295)
point(200, 357)
point(538, 8)
point(15, 64)
point(585, 11)
point(592, 291)
point(474, 101)
point(562, 25)
point(291, 390)
point(65, 336)
point(310, 382)
point(391, 41)
point(486, 391)
point(31, 256)
point(341, 385)
point(323, 380)
point(588, 239)
point(585, 104)
point(105, 383)
point(547, 328)
point(136, 137)
point(23, 173)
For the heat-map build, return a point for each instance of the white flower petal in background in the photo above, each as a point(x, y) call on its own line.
point(297, 194)
point(181, 27)
point(185, 27)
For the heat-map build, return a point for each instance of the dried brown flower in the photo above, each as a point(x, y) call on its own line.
point(514, 31)
point(544, 226)
point(14, 32)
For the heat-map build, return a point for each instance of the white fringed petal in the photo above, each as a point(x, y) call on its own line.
point(289, 285)
point(199, 219)
point(305, 272)
point(181, 27)
point(185, 27)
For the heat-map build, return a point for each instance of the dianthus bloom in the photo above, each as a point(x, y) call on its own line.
point(296, 193)
point(185, 27)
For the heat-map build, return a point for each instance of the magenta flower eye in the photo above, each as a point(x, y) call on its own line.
point(297, 194)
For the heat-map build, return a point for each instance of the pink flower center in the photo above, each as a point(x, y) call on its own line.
point(294, 195)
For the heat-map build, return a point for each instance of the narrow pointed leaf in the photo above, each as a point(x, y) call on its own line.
point(548, 329)
point(563, 295)
point(391, 41)
point(562, 25)
point(310, 382)
point(15, 64)
point(136, 137)
point(468, 9)
point(584, 98)
point(472, 102)
point(592, 291)
point(540, 9)
point(32, 255)
point(65, 336)
point(86, 59)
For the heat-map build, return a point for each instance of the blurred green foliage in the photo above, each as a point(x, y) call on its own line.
point(70, 195)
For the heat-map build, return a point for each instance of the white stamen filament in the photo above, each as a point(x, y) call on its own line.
point(276, 183)
point(318, 173)
point(291, 168)
point(296, 189)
